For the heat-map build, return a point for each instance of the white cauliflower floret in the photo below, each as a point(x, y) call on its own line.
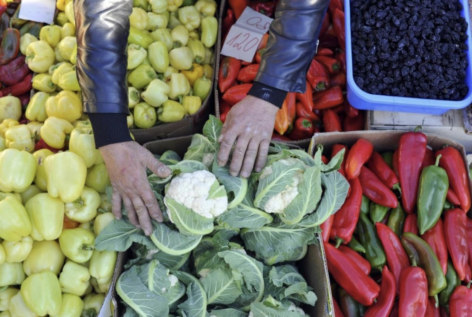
point(207, 159)
point(295, 309)
point(192, 189)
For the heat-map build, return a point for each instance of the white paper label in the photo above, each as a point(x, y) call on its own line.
point(244, 37)
point(38, 10)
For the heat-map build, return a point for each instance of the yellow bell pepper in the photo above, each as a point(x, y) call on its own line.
point(61, 5)
point(13, 195)
point(168, 73)
point(43, 82)
point(73, 56)
point(102, 221)
point(77, 244)
point(11, 274)
point(2, 260)
point(72, 306)
point(156, 93)
point(39, 56)
point(84, 209)
point(66, 105)
point(158, 56)
point(158, 6)
point(26, 40)
point(6, 296)
point(202, 87)
point(180, 36)
point(144, 116)
point(69, 10)
point(15, 223)
point(179, 86)
point(82, 143)
point(139, 37)
point(65, 47)
point(189, 17)
point(181, 58)
point(17, 170)
point(93, 303)
point(74, 279)
point(138, 19)
point(193, 73)
point(192, 104)
point(47, 215)
point(209, 31)
point(17, 252)
point(67, 29)
point(18, 307)
point(61, 18)
point(3, 144)
point(97, 178)
point(51, 34)
point(206, 7)
point(54, 131)
point(133, 97)
point(36, 110)
point(173, 5)
point(130, 120)
point(10, 108)
point(142, 76)
point(198, 50)
point(69, 81)
point(171, 111)
point(207, 71)
point(19, 137)
point(157, 21)
point(102, 265)
point(45, 256)
point(42, 293)
point(56, 71)
point(69, 188)
point(40, 178)
point(32, 191)
point(136, 55)
point(163, 35)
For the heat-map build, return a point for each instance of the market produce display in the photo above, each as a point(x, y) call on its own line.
point(227, 246)
point(323, 106)
point(408, 255)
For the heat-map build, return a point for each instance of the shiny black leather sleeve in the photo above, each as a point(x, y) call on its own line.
point(292, 44)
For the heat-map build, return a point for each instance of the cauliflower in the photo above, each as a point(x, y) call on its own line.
point(193, 190)
point(295, 309)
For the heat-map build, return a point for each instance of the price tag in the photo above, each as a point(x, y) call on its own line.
point(244, 37)
point(38, 10)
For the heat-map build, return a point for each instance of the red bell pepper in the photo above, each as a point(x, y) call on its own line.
point(265, 8)
point(332, 65)
point(339, 80)
point(431, 309)
point(248, 73)
point(350, 110)
point(345, 219)
point(350, 277)
point(20, 88)
point(469, 239)
point(337, 310)
point(413, 292)
point(302, 112)
point(452, 197)
point(238, 6)
point(41, 144)
point(383, 171)
point(324, 25)
point(302, 129)
point(10, 45)
point(306, 98)
point(411, 152)
point(354, 124)
point(361, 262)
point(437, 241)
point(323, 51)
point(326, 228)
point(455, 231)
point(454, 165)
point(329, 98)
point(13, 72)
point(428, 158)
point(236, 94)
point(339, 27)
point(341, 57)
point(460, 303)
point(229, 70)
point(411, 224)
point(397, 258)
point(359, 154)
point(335, 4)
point(318, 76)
point(331, 121)
point(228, 21)
point(384, 304)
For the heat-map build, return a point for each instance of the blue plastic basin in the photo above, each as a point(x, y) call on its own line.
point(366, 101)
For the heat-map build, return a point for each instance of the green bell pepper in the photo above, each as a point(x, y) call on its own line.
point(62, 19)
point(60, 69)
point(209, 31)
point(42, 293)
point(190, 17)
point(11, 274)
point(156, 93)
point(157, 21)
point(26, 40)
point(142, 76)
point(377, 212)
point(50, 34)
point(18, 307)
point(169, 71)
point(173, 20)
point(32, 191)
point(77, 244)
point(93, 303)
point(202, 87)
point(17, 252)
point(102, 221)
point(173, 5)
point(396, 220)
point(67, 30)
point(181, 58)
point(139, 37)
point(453, 281)
point(143, 4)
point(356, 245)
point(158, 56)
point(45, 256)
point(5, 297)
point(136, 55)
point(158, 6)
point(84, 209)
point(138, 19)
point(198, 50)
point(144, 116)
point(163, 35)
point(180, 36)
point(171, 111)
point(74, 279)
point(133, 97)
point(207, 8)
point(374, 251)
point(179, 86)
point(69, 81)
point(102, 265)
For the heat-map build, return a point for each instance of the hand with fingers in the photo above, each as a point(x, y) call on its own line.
point(126, 164)
point(248, 126)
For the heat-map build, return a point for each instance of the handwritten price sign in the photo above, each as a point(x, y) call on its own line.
point(244, 37)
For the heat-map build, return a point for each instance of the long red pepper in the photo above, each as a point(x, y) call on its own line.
point(386, 299)
point(331, 121)
point(454, 165)
point(394, 312)
point(335, 4)
point(338, 24)
point(361, 262)
point(339, 80)
point(328, 99)
point(375, 190)
point(326, 228)
point(306, 98)
point(455, 230)
point(395, 163)
point(452, 197)
point(318, 76)
point(354, 124)
point(460, 303)
point(350, 277)
point(332, 65)
point(20, 88)
point(337, 310)
point(229, 70)
point(236, 93)
point(345, 219)
point(411, 224)
point(324, 25)
point(238, 6)
point(380, 168)
point(248, 73)
point(14, 71)
point(341, 57)
point(359, 154)
point(431, 309)
point(323, 51)
point(437, 241)
point(429, 158)
point(397, 258)
point(302, 112)
point(413, 292)
point(469, 239)
point(350, 111)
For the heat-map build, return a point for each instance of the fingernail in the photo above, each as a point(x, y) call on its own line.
point(233, 174)
point(220, 138)
point(244, 174)
point(164, 170)
point(258, 169)
point(221, 163)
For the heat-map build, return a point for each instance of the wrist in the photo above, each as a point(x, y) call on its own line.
point(268, 93)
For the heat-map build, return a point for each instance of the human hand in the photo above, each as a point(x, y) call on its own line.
point(126, 165)
point(250, 124)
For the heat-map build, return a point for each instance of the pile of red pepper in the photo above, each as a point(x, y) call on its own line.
point(323, 107)
point(409, 256)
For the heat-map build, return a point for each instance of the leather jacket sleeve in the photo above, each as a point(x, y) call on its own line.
point(292, 44)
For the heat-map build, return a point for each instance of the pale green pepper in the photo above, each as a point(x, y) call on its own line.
point(65, 48)
point(97, 178)
point(74, 279)
point(46, 214)
point(45, 256)
point(18, 307)
point(163, 35)
point(61, 18)
point(138, 19)
point(207, 71)
point(67, 30)
point(3, 144)
point(192, 104)
point(181, 58)
point(206, 7)
point(129, 120)
point(69, 81)
point(105, 205)
point(102, 265)
point(82, 143)
point(158, 56)
point(19, 137)
point(84, 209)
point(179, 86)
point(77, 244)
point(43, 82)
point(6, 296)
point(142, 76)
point(73, 56)
point(42, 293)
point(70, 12)
point(93, 302)
point(32, 191)
point(156, 93)
point(208, 57)
point(171, 111)
point(190, 17)
point(173, 5)
point(144, 116)
point(173, 20)
point(72, 306)
point(26, 40)
point(180, 36)
point(136, 55)
point(57, 70)
point(169, 71)
point(2, 260)
point(158, 6)
point(209, 31)
point(202, 87)
point(139, 37)
point(102, 221)
point(198, 50)
point(133, 97)
point(5, 314)
point(50, 34)
point(157, 21)
point(15, 221)
point(143, 4)
point(17, 252)
point(11, 274)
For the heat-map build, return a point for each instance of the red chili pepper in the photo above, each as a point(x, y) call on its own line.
point(345, 219)
point(469, 239)
point(335, 4)
point(263, 42)
point(397, 258)
point(341, 57)
point(437, 241)
point(339, 80)
point(41, 144)
point(460, 303)
point(375, 190)
point(18, 89)
point(238, 6)
point(248, 73)
point(302, 129)
point(428, 158)
point(339, 28)
point(452, 197)
point(13, 72)
point(303, 113)
point(339, 110)
point(455, 231)
point(354, 124)
point(411, 152)
point(431, 309)
point(350, 110)
point(332, 65)
point(229, 70)
point(350, 277)
point(236, 94)
point(362, 263)
point(10, 45)
point(324, 25)
point(384, 304)
point(306, 98)
point(326, 228)
point(318, 76)
point(454, 165)
point(383, 171)
point(359, 154)
point(337, 310)
point(413, 292)
point(279, 138)
point(323, 51)
point(331, 121)
point(259, 55)
point(411, 224)
point(329, 98)
point(265, 8)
